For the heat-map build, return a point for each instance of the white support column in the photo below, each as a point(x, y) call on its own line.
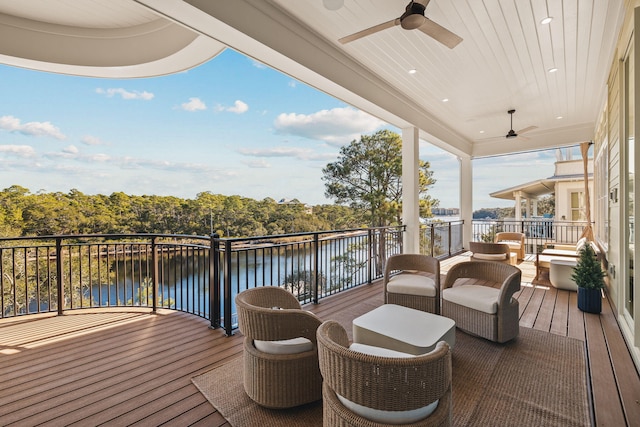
point(534, 211)
point(410, 188)
point(466, 199)
point(518, 197)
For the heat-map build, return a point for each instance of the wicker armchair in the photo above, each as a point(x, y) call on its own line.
point(514, 240)
point(381, 383)
point(418, 284)
point(282, 378)
point(498, 252)
point(476, 306)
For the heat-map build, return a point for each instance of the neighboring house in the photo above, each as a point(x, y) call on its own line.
point(567, 184)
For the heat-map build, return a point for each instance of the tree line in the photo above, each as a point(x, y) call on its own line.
point(23, 213)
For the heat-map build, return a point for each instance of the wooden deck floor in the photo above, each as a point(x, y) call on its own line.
point(114, 367)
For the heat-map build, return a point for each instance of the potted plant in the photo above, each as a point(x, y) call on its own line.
point(589, 277)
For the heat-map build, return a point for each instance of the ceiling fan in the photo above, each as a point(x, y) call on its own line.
point(413, 18)
point(514, 134)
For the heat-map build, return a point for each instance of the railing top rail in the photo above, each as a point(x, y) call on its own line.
point(311, 233)
point(107, 236)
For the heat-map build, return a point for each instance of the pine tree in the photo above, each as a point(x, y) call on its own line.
point(588, 272)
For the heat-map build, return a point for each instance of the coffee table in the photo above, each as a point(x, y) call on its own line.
point(403, 329)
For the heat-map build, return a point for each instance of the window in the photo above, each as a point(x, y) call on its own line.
point(577, 206)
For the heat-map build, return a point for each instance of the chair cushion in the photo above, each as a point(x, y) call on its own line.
point(292, 346)
point(477, 297)
point(377, 351)
point(378, 415)
point(513, 245)
point(412, 284)
point(490, 257)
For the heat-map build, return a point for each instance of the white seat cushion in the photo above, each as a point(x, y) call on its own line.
point(292, 346)
point(490, 257)
point(480, 298)
point(378, 415)
point(513, 245)
point(377, 351)
point(412, 284)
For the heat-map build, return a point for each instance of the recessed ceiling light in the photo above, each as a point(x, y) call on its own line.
point(333, 4)
point(481, 131)
point(552, 70)
point(559, 117)
point(413, 71)
point(445, 100)
point(546, 20)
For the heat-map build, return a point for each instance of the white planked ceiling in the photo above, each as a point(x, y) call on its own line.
point(501, 64)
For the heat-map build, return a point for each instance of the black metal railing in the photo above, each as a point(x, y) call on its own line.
point(441, 239)
point(196, 274)
point(59, 273)
point(310, 265)
point(538, 232)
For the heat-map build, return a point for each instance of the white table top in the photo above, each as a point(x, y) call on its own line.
point(418, 328)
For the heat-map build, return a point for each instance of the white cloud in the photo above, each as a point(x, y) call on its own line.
point(125, 94)
point(13, 124)
point(292, 84)
point(337, 126)
point(294, 152)
point(92, 140)
point(194, 104)
point(100, 158)
point(239, 107)
point(18, 150)
point(71, 149)
point(259, 164)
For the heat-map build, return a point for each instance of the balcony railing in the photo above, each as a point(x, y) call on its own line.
point(196, 274)
point(538, 231)
point(441, 239)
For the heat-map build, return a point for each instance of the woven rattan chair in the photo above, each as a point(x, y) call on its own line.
point(514, 240)
point(498, 252)
point(478, 296)
point(416, 286)
point(266, 316)
point(380, 382)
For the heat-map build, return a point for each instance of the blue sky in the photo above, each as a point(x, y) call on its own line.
point(230, 126)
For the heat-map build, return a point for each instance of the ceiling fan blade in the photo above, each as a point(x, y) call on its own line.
point(527, 129)
point(439, 33)
point(489, 138)
point(370, 30)
point(524, 138)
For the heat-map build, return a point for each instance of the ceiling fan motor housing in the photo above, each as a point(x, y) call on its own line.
point(413, 17)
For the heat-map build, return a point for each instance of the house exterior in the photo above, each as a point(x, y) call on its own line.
point(566, 184)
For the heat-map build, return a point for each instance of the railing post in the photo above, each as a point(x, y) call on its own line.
point(214, 281)
point(432, 238)
point(316, 267)
point(59, 274)
point(228, 324)
point(449, 238)
point(154, 275)
point(370, 256)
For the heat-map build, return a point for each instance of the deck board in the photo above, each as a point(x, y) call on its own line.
point(128, 367)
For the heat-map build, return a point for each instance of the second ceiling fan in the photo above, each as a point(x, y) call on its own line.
point(412, 19)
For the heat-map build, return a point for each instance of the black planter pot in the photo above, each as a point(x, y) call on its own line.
point(590, 300)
